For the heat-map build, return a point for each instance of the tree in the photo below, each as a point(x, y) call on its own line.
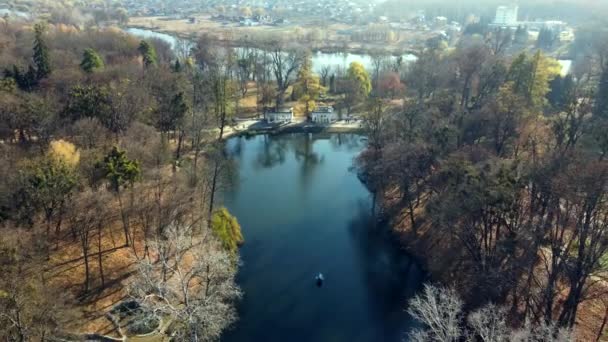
point(307, 86)
point(122, 16)
point(30, 309)
point(172, 117)
point(440, 310)
point(390, 85)
point(502, 118)
point(531, 77)
point(41, 57)
point(223, 94)
point(470, 61)
point(378, 61)
point(284, 65)
point(359, 84)
point(177, 67)
point(148, 54)
point(424, 77)
point(562, 91)
point(192, 285)
point(227, 229)
point(114, 106)
point(479, 204)
point(500, 39)
point(120, 171)
point(47, 185)
point(88, 101)
point(25, 80)
point(91, 61)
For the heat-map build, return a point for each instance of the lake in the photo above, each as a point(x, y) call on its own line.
point(319, 59)
point(303, 211)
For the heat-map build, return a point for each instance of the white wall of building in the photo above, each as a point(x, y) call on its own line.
point(506, 15)
point(279, 117)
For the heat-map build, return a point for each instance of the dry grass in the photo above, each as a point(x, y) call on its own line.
point(67, 271)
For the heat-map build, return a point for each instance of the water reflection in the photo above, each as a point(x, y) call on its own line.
point(391, 277)
point(308, 159)
point(322, 224)
point(272, 152)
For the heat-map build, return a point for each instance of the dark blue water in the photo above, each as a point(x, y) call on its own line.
point(303, 212)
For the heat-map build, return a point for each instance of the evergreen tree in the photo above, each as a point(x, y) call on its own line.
point(91, 61)
point(177, 67)
point(173, 113)
point(148, 54)
point(88, 101)
point(561, 92)
point(120, 171)
point(24, 80)
point(42, 59)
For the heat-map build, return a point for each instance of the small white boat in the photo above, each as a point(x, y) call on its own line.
point(319, 279)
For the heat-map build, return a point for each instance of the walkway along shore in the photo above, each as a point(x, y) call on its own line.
point(254, 127)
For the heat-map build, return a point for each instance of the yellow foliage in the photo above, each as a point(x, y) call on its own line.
point(227, 229)
point(64, 151)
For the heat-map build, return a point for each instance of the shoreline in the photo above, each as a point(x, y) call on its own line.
point(235, 43)
point(294, 127)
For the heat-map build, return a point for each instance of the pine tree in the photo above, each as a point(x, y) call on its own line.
point(120, 171)
point(177, 67)
point(42, 59)
point(148, 54)
point(561, 93)
point(91, 61)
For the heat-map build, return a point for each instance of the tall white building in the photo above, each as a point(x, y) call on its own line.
point(506, 15)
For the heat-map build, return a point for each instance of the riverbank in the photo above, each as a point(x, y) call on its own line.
point(330, 40)
point(257, 127)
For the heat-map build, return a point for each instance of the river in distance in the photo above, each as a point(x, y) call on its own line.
point(320, 60)
point(303, 211)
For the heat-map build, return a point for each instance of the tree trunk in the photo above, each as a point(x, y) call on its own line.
point(180, 140)
point(125, 223)
point(85, 252)
point(213, 187)
point(100, 258)
point(48, 238)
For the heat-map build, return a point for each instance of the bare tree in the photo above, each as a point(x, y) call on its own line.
point(490, 323)
point(440, 310)
point(325, 70)
point(191, 284)
point(285, 63)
